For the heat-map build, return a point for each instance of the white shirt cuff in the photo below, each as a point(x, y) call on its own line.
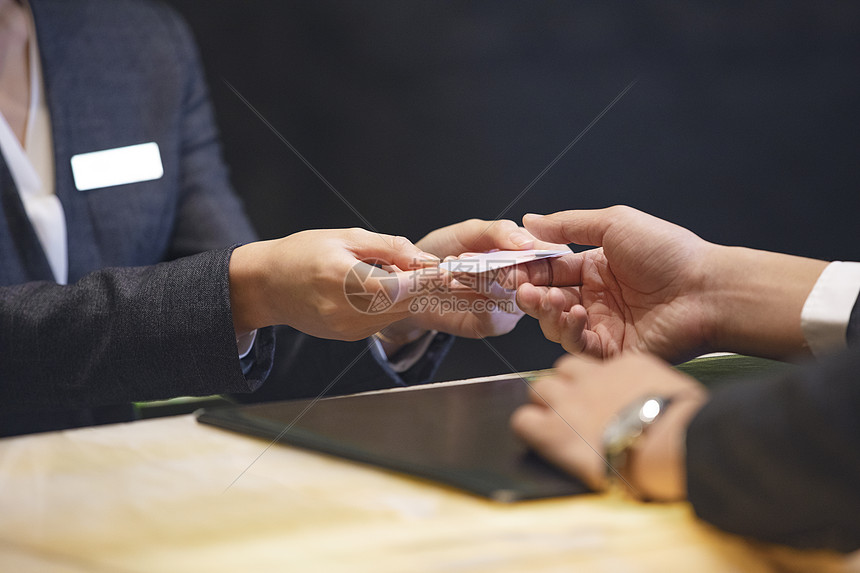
point(825, 314)
point(245, 342)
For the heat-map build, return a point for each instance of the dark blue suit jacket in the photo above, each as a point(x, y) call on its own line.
point(146, 314)
point(779, 458)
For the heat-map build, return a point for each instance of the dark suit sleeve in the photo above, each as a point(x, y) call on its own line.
point(120, 335)
point(306, 367)
point(779, 459)
point(209, 214)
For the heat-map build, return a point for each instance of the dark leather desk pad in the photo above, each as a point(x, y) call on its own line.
point(454, 434)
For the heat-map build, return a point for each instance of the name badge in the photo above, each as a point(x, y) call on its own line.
point(118, 166)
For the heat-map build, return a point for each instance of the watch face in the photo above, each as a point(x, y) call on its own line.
point(629, 424)
point(650, 410)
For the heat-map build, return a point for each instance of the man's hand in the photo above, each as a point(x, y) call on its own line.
point(570, 411)
point(641, 290)
point(654, 286)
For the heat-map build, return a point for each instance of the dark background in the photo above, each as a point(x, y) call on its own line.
point(743, 125)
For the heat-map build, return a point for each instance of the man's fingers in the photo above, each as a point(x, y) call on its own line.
point(546, 302)
point(562, 318)
point(559, 271)
point(583, 227)
point(551, 313)
point(573, 334)
point(529, 298)
point(577, 338)
point(562, 299)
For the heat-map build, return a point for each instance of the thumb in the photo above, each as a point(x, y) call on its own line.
point(583, 227)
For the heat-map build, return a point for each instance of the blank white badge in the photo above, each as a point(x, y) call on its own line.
point(117, 166)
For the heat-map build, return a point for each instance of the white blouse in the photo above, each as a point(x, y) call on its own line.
point(32, 168)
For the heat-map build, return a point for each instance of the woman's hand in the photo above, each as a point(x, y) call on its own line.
point(303, 280)
point(476, 306)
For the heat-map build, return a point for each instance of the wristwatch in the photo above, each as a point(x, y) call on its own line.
point(621, 435)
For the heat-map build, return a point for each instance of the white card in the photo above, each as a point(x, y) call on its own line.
point(117, 166)
point(497, 260)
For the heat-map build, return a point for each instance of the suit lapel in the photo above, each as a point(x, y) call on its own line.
point(20, 249)
point(66, 97)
